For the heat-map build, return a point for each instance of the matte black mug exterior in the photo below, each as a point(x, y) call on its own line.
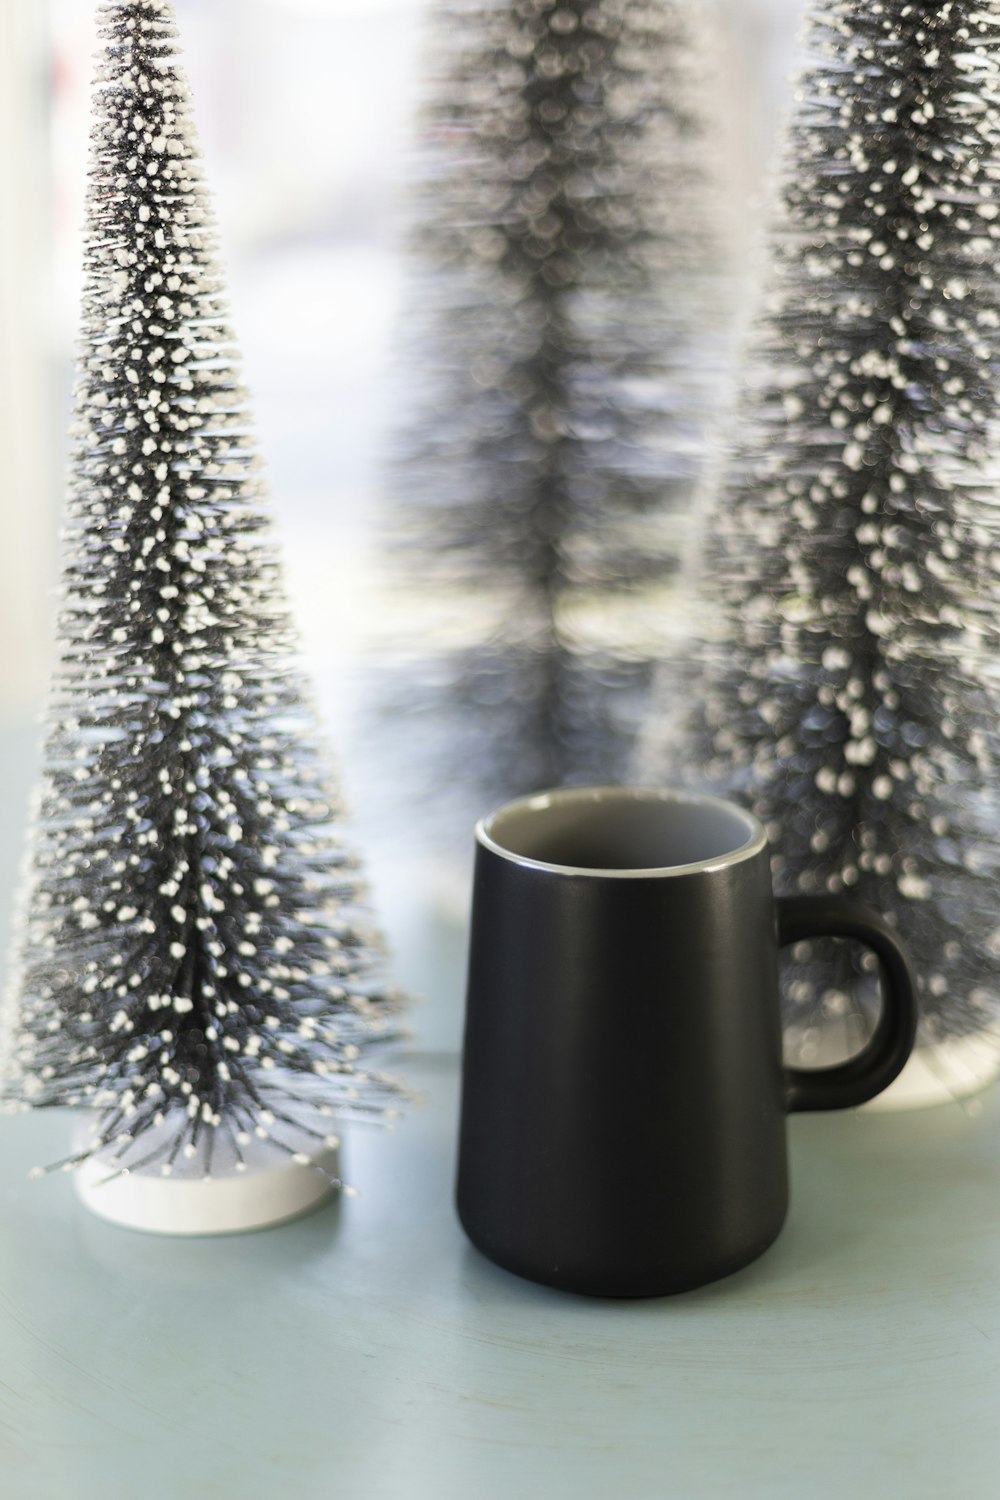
point(623, 1094)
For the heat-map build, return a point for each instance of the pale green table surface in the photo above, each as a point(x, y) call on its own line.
point(368, 1353)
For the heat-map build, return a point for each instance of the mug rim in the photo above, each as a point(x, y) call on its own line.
point(756, 836)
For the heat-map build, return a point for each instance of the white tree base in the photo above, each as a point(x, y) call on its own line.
point(272, 1188)
point(944, 1073)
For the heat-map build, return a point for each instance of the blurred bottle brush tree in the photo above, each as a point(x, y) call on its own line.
point(193, 950)
point(567, 335)
point(851, 593)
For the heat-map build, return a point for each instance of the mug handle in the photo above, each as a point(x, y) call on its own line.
point(881, 1060)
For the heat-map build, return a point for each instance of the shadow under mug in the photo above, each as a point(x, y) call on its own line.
point(623, 1092)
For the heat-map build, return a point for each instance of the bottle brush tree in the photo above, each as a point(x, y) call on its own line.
point(851, 568)
point(566, 337)
point(195, 962)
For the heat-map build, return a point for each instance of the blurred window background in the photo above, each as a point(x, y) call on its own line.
point(306, 111)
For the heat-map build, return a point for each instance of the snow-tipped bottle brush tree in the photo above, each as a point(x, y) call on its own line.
point(850, 596)
point(564, 343)
point(195, 964)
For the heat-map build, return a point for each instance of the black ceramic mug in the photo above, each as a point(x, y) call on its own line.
point(624, 1097)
